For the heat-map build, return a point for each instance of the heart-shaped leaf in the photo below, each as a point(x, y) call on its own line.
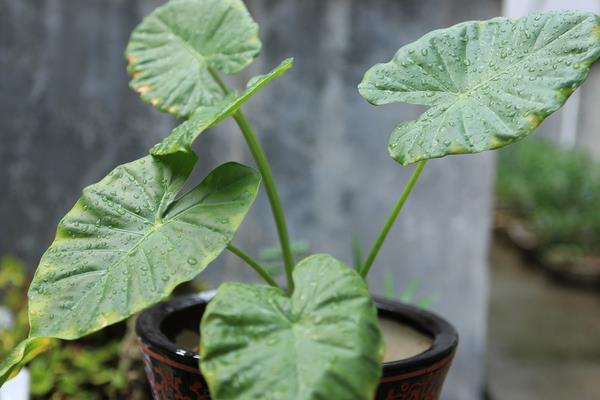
point(127, 242)
point(183, 136)
point(489, 83)
point(322, 343)
point(21, 355)
point(175, 50)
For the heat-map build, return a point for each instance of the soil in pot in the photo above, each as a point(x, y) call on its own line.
point(401, 341)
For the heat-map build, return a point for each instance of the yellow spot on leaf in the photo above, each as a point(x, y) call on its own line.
point(172, 109)
point(596, 30)
point(534, 120)
point(143, 89)
point(456, 148)
point(131, 59)
point(564, 93)
point(154, 101)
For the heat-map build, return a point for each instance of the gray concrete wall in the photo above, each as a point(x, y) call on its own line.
point(67, 117)
point(66, 113)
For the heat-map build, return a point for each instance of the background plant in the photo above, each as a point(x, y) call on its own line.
point(555, 192)
point(98, 367)
point(408, 294)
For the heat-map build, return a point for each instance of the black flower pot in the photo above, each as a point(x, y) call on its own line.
point(174, 375)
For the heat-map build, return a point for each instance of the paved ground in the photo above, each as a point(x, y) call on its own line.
point(544, 338)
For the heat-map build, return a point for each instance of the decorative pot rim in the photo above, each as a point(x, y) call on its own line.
point(445, 338)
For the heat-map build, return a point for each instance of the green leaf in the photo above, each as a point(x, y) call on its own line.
point(489, 83)
point(426, 301)
point(175, 50)
point(409, 292)
point(322, 343)
point(21, 355)
point(271, 257)
point(273, 254)
point(356, 251)
point(389, 287)
point(184, 135)
point(127, 242)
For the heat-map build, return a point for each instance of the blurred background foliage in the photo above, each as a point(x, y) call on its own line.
point(554, 193)
point(106, 365)
point(407, 295)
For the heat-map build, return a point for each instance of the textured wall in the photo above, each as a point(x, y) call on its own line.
point(67, 117)
point(66, 113)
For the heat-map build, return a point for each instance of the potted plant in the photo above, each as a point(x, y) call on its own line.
point(132, 237)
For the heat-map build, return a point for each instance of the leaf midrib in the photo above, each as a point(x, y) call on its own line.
point(154, 227)
point(201, 58)
point(106, 272)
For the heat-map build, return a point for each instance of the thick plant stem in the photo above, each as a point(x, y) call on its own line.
point(252, 263)
point(364, 270)
point(271, 188)
point(265, 170)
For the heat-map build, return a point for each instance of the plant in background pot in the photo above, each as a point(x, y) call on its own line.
point(133, 236)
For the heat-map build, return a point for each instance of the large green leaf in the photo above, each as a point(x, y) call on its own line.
point(322, 343)
point(25, 351)
point(489, 83)
point(127, 242)
point(184, 135)
point(175, 50)
point(21, 355)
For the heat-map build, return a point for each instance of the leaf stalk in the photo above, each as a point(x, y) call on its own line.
point(364, 270)
point(253, 263)
point(270, 187)
point(269, 181)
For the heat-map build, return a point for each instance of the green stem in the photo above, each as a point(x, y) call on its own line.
point(364, 270)
point(265, 170)
point(252, 263)
point(218, 79)
point(271, 188)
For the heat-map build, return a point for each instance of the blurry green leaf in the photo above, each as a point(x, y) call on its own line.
point(554, 193)
point(12, 272)
point(426, 301)
point(42, 382)
point(127, 242)
point(21, 355)
point(183, 136)
point(389, 290)
point(322, 343)
point(408, 295)
point(173, 51)
point(489, 83)
point(79, 371)
point(271, 257)
point(273, 253)
point(409, 292)
point(356, 251)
